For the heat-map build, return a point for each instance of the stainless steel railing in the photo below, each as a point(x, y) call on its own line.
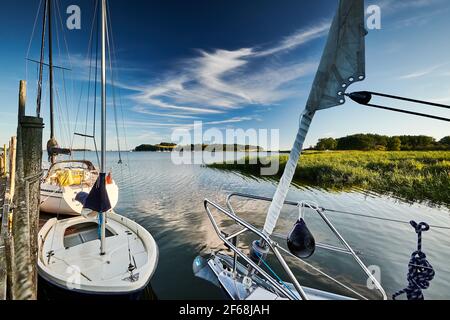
point(231, 242)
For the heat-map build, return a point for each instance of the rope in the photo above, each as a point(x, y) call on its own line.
point(275, 274)
point(420, 271)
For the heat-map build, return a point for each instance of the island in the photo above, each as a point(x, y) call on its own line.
point(169, 147)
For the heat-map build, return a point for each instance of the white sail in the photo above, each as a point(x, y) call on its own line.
point(342, 63)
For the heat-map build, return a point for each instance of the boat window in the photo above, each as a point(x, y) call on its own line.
point(83, 233)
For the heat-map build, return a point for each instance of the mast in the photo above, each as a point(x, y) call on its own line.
point(50, 62)
point(41, 62)
point(103, 124)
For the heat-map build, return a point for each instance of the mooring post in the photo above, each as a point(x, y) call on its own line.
point(3, 253)
point(27, 195)
point(3, 162)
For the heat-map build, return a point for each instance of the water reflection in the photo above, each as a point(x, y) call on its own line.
point(168, 201)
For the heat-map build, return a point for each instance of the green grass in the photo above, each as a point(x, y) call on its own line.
point(413, 176)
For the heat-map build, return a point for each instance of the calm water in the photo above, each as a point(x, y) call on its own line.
point(168, 201)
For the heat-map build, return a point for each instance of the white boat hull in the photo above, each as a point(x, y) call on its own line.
point(61, 200)
point(82, 269)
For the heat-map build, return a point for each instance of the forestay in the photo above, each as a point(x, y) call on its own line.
point(342, 63)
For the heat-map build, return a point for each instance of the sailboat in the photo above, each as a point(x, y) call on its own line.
point(100, 252)
point(246, 276)
point(64, 180)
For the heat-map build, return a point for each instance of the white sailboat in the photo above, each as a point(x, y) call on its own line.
point(249, 276)
point(100, 252)
point(65, 179)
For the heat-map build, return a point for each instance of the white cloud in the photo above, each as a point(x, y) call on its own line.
point(301, 37)
point(421, 73)
point(220, 81)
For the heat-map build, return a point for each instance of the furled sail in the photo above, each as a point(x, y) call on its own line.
point(54, 150)
point(98, 199)
point(342, 63)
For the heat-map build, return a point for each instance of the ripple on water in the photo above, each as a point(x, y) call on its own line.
point(168, 201)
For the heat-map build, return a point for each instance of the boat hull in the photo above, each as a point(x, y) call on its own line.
point(61, 200)
point(48, 291)
point(79, 269)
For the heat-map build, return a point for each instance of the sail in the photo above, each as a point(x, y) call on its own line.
point(342, 63)
point(98, 199)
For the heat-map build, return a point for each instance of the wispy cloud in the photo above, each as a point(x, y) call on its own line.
point(394, 6)
point(422, 73)
point(300, 37)
point(220, 81)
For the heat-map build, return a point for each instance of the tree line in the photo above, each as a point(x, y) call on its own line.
point(375, 142)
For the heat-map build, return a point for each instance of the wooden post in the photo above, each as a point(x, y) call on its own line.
point(3, 260)
point(12, 166)
point(3, 165)
point(27, 199)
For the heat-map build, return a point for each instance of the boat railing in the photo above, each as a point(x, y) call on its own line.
point(232, 240)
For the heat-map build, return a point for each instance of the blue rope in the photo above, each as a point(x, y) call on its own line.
point(274, 273)
point(420, 271)
point(100, 222)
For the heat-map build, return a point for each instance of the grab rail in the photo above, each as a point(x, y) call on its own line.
point(231, 241)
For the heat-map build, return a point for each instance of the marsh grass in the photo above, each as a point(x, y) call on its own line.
point(412, 176)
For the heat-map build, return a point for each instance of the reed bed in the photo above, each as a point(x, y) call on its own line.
point(412, 176)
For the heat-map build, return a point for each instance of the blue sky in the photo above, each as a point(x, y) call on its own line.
point(231, 64)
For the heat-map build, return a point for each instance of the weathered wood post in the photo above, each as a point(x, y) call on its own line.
point(3, 251)
point(27, 194)
point(3, 163)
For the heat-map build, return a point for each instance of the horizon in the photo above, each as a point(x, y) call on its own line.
point(247, 69)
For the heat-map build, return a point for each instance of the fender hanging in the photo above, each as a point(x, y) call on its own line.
point(301, 242)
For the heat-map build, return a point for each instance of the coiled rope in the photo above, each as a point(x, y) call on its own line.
point(420, 271)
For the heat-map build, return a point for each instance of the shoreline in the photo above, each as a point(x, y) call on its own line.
point(413, 176)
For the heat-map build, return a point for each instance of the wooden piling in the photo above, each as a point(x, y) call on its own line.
point(27, 197)
point(3, 253)
point(3, 167)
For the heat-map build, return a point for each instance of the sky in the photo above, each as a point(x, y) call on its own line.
point(230, 64)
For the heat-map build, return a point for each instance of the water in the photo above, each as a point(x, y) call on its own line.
point(167, 200)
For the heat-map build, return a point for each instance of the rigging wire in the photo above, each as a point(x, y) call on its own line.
point(66, 100)
point(364, 98)
point(65, 134)
point(88, 101)
point(378, 218)
point(390, 96)
point(32, 37)
point(83, 85)
point(94, 129)
point(133, 195)
point(114, 95)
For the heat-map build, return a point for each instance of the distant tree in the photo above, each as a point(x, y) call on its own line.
point(445, 142)
point(145, 148)
point(326, 144)
point(394, 144)
point(411, 143)
point(357, 142)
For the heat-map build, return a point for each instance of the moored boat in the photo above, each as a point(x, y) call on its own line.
point(100, 252)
